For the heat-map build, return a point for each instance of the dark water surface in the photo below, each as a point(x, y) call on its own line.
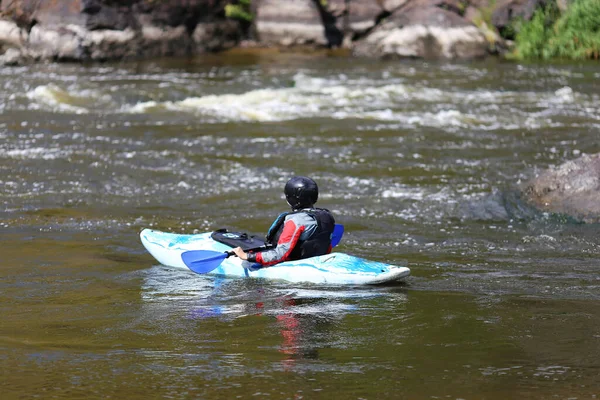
point(420, 161)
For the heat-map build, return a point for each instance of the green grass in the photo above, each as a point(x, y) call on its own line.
point(574, 35)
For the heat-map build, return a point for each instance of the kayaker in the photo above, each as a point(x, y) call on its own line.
point(304, 232)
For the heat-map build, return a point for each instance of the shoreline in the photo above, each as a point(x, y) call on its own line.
point(403, 29)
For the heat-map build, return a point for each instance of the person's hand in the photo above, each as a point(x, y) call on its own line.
point(240, 253)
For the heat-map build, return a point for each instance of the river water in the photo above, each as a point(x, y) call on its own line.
point(421, 162)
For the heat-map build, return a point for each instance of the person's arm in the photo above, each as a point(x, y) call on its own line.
point(287, 241)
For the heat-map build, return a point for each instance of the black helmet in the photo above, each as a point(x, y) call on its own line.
point(301, 192)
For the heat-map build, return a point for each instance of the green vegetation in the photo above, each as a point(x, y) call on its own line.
point(549, 35)
point(239, 10)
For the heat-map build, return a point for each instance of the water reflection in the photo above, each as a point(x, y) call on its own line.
point(303, 319)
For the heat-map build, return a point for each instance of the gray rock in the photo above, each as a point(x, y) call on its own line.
point(298, 23)
point(11, 56)
point(355, 17)
point(110, 17)
point(392, 5)
point(11, 35)
point(60, 43)
point(424, 32)
point(28, 13)
point(215, 36)
point(319, 23)
point(572, 188)
point(110, 44)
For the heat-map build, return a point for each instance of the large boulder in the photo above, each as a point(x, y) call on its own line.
point(425, 29)
point(572, 188)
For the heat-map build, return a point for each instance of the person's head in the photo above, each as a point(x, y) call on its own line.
point(301, 192)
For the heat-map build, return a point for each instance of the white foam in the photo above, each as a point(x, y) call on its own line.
point(69, 101)
point(403, 193)
point(565, 95)
point(370, 99)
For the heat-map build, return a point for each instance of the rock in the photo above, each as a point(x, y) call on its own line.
point(108, 17)
point(11, 57)
point(215, 36)
point(315, 22)
point(298, 23)
point(11, 35)
point(80, 30)
point(156, 41)
point(30, 12)
point(424, 30)
point(356, 17)
point(60, 43)
point(572, 188)
point(174, 13)
point(110, 44)
point(392, 5)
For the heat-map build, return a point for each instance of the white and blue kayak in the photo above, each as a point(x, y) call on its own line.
point(170, 249)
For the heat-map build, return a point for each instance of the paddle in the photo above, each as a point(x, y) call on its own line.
point(204, 261)
point(336, 236)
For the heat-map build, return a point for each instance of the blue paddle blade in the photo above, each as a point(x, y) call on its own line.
point(203, 261)
point(336, 236)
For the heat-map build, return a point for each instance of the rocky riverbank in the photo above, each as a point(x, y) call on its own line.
point(97, 30)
